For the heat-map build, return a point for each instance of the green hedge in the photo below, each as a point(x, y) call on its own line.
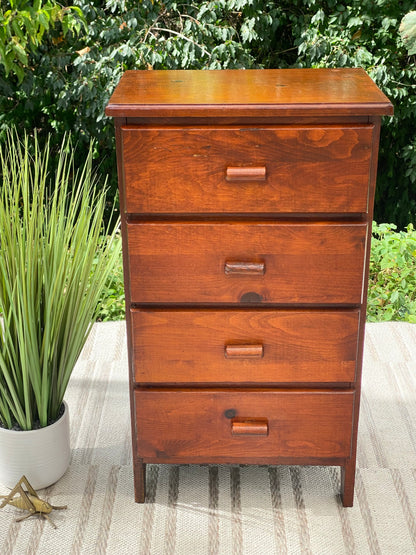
point(391, 287)
point(392, 275)
point(71, 72)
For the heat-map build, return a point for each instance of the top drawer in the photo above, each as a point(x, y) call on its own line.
point(297, 169)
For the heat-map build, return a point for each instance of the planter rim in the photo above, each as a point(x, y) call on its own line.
point(37, 430)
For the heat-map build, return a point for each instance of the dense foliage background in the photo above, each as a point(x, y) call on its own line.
point(61, 63)
point(391, 287)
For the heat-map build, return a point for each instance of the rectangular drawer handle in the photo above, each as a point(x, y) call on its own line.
point(236, 173)
point(249, 427)
point(244, 351)
point(245, 268)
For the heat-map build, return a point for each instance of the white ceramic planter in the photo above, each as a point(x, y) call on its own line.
point(41, 455)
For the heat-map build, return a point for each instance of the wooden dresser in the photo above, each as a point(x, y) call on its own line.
point(246, 199)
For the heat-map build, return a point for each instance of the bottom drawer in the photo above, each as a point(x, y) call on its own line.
point(245, 426)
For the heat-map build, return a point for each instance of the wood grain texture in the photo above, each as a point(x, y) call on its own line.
point(244, 351)
point(305, 263)
point(225, 93)
point(245, 173)
point(238, 268)
point(308, 169)
point(348, 480)
point(139, 480)
point(249, 427)
point(187, 346)
point(191, 426)
point(246, 201)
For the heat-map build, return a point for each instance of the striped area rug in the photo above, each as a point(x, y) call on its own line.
point(230, 510)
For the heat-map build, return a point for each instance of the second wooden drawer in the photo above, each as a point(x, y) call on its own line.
point(251, 262)
point(244, 346)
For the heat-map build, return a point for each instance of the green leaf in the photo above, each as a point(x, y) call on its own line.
point(319, 16)
point(18, 70)
point(18, 31)
point(20, 52)
point(43, 19)
point(394, 296)
point(407, 32)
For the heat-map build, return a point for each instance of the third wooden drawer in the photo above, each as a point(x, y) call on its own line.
point(206, 346)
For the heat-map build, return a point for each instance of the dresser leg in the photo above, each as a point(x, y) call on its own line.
point(139, 481)
point(347, 483)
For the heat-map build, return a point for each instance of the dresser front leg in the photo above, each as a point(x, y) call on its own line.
point(139, 481)
point(347, 483)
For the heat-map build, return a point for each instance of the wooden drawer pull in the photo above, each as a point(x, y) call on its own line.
point(243, 351)
point(237, 173)
point(245, 268)
point(249, 427)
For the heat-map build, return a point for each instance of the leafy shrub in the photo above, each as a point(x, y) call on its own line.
point(112, 298)
point(70, 77)
point(22, 28)
point(392, 278)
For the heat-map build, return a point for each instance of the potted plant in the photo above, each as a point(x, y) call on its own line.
point(55, 259)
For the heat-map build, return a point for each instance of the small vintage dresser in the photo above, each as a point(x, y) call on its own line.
point(246, 200)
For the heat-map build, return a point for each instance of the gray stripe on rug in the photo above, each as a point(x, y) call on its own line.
point(405, 504)
point(213, 500)
point(346, 529)
point(173, 494)
point(236, 523)
point(84, 512)
point(365, 509)
point(152, 476)
point(305, 539)
point(108, 506)
point(372, 428)
point(277, 508)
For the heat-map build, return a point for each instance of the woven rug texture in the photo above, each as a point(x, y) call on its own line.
point(229, 510)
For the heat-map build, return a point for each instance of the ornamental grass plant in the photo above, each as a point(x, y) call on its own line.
point(55, 259)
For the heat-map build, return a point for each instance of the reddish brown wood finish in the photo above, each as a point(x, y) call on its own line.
point(244, 268)
point(246, 173)
point(247, 201)
point(303, 263)
point(249, 427)
point(299, 162)
point(195, 426)
point(248, 93)
point(299, 346)
point(244, 351)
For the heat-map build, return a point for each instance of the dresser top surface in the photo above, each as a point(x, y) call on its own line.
point(224, 93)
